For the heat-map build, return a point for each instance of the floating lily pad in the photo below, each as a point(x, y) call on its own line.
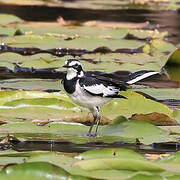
point(15, 103)
point(5, 31)
point(143, 34)
point(174, 59)
point(7, 19)
point(109, 153)
point(173, 72)
point(31, 84)
point(144, 132)
point(162, 46)
point(176, 114)
point(162, 93)
point(42, 170)
point(129, 106)
point(117, 163)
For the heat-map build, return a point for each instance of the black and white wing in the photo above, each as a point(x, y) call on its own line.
point(98, 87)
point(139, 75)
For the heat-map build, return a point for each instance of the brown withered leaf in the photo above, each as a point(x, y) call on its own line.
point(2, 122)
point(155, 118)
point(156, 156)
point(40, 122)
point(116, 24)
point(84, 119)
point(87, 119)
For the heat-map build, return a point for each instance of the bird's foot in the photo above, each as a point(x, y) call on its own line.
point(89, 134)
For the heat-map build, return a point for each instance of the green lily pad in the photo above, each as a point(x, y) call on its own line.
point(129, 106)
point(142, 34)
point(7, 96)
point(7, 30)
point(174, 58)
point(74, 31)
point(144, 132)
point(162, 46)
point(7, 65)
point(40, 170)
point(176, 114)
point(146, 177)
point(64, 162)
point(14, 157)
point(117, 163)
point(11, 160)
point(7, 19)
point(40, 102)
point(162, 93)
point(31, 84)
point(120, 61)
point(109, 153)
point(126, 131)
point(173, 72)
point(67, 164)
point(42, 63)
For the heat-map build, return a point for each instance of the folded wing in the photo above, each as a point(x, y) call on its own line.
point(97, 87)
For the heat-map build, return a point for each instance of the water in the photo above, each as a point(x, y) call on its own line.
point(66, 146)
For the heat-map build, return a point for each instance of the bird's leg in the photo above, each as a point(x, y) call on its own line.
point(96, 115)
point(98, 121)
point(90, 129)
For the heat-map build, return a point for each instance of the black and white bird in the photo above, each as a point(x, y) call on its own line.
point(92, 91)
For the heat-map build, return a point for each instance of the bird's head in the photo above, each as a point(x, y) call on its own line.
point(74, 69)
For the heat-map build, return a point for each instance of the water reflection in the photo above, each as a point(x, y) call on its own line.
point(65, 146)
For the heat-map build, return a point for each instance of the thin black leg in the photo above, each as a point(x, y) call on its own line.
point(96, 115)
point(97, 125)
point(90, 129)
point(98, 121)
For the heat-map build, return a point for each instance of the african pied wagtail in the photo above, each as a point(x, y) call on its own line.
point(92, 91)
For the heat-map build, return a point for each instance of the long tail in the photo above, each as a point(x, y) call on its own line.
point(139, 75)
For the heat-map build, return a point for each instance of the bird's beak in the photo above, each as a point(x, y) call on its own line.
point(65, 66)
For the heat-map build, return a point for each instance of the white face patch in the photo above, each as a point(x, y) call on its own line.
point(73, 69)
point(71, 73)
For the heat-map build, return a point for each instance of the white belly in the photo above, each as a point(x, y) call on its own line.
point(82, 98)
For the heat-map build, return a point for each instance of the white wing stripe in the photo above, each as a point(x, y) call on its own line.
point(141, 77)
point(101, 89)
